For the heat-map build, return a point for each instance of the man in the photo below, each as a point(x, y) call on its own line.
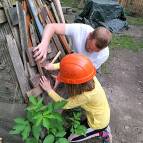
point(92, 43)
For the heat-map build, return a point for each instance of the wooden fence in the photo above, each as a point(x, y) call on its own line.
point(133, 6)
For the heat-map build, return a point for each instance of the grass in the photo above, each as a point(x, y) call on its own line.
point(135, 20)
point(70, 3)
point(125, 41)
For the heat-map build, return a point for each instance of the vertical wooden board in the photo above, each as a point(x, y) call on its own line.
point(23, 36)
point(18, 65)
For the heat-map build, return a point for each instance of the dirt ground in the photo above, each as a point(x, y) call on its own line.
point(122, 80)
point(124, 86)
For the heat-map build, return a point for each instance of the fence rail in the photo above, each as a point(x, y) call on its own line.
point(133, 6)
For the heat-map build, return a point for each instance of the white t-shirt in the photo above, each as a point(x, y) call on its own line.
point(79, 33)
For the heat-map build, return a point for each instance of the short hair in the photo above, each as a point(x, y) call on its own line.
point(76, 89)
point(102, 36)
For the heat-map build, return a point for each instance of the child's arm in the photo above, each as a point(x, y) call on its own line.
point(73, 102)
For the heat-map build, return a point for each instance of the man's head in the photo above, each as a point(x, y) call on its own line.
point(98, 39)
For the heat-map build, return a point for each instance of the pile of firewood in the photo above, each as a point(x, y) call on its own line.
point(27, 20)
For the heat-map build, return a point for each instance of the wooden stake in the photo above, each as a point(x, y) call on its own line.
point(56, 57)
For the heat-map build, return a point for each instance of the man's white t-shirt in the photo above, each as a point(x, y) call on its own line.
point(79, 33)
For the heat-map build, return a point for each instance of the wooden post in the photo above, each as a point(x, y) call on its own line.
point(18, 65)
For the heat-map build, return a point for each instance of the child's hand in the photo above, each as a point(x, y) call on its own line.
point(45, 84)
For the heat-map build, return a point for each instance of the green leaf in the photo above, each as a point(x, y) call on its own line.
point(31, 108)
point(49, 139)
point(33, 100)
point(36, 131)
point(80, 130)
point(31, 140)
point(39, 104)
point(26, 132)
point(43, 108)
point(17, 129)
point(62, 140)
point(59, 105)
point(60, 134)
point(46, 123)
point(46, 113)
point(39, 120)
point(20, 121)
point(50, 107)
point(53, 131)
point(56, 116)
point(38, 115)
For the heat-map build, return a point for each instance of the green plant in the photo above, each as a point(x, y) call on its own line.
point(42, 124)
point(76, 127)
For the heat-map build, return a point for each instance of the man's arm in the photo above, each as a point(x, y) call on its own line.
point(40, 51)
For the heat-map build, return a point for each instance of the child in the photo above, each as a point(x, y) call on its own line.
point(78, 74)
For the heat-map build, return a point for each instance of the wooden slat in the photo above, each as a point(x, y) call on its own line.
point(18, 66)
point(57, 45)
point(28, 20)
point(35, 91)
point(59, 10)
point(34, 44)
point(14, 30)
point(61, 37)
point(2, 16)
point(23, 36)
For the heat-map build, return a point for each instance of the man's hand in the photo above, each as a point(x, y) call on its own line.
point(45, 84)
point(40, 52)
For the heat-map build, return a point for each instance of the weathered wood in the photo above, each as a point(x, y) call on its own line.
point(35, 15)
point(35, 91)
point(29, 52)
point(61, 37)
point(27, 20)
point(23, 36)
point(14, 30)
point(35, 80)
point(34, 44)
point(13, 15)
point(18, 66)
point(31, 70)
point(56, 57)
point(59, 10)
point(2, 16)
point(54, 38)
point(55, 12)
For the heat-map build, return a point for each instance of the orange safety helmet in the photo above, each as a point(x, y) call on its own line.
point(76, 69)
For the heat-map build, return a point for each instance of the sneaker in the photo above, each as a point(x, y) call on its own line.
point(78, 138)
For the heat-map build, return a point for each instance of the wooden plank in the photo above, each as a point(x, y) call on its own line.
point(61, 37)
point(23, 36)
point(2, 16)
point(35, 80)
point(34, 44)
point(28, 20)
point(35, 91)
point(55, 12)
point(18, 66)
point(29, 52)
point(59, 10)
point(14, 30)
point(13, 15)
point(35, 15)
point(57, 43)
